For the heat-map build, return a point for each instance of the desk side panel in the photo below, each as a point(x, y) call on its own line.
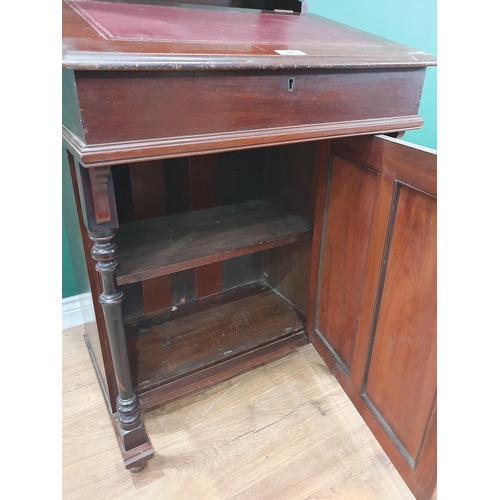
point(71, 116)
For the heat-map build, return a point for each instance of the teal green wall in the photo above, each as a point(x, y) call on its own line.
point(69, 228)
point(68, 278)
point(409, 22)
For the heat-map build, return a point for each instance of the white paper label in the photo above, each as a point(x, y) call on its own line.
point(290, 52)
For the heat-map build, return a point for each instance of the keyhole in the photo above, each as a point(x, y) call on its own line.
point(291, 81)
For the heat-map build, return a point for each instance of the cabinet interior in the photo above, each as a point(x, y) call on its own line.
point(214, 256)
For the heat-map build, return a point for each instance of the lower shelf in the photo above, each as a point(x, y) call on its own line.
point(209, 332)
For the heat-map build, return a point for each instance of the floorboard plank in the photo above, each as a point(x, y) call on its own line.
point(285, 431)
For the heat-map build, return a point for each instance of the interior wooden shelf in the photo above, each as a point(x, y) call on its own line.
point(212, 330)
point(170, 244)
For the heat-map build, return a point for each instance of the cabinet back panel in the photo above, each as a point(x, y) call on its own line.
point(157, 294)
point(288, 178)
point(153, 189)
point(183, 287)
point(147, 189)
point(241, 270)
point(289, 183)
point(203, 182)
point(132, 305)
point(240, 175)
point(208, 279)
point(123, 193)
point(286, 269)
point(157, 188)
point(176, 185)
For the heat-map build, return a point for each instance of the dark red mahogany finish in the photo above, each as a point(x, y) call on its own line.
point(153, 23)
point(169, 116)
point(155, 82)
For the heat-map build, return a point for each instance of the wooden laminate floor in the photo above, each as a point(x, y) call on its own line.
point(283, 431)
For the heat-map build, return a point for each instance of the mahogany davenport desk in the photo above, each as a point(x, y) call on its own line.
point(231, 190)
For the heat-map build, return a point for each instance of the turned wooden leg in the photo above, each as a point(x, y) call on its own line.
point(136, 448)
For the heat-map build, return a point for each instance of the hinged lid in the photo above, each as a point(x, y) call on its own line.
point(142, 36)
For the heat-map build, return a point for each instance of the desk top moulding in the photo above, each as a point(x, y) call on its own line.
point(144, 81)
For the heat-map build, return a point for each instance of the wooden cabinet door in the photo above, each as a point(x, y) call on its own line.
point(372, 311)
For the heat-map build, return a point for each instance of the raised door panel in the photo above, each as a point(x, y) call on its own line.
point(401, 377)
point(348, 220)
point(373, 289)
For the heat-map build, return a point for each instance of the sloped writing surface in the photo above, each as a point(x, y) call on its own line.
point(135, 22)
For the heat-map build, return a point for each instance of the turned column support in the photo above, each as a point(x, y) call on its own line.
point(130, 428)
point(99, 210)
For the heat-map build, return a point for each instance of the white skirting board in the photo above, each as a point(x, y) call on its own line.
point(77, 310)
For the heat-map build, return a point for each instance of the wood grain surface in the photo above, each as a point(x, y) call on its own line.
point(208, 279)
point(286, 269)
point(178, 81)
point(392, 376)
point(404, 346)
point(285, 431)
point(148, 201)
point(84, 48)
point(177, 343)
point(128, 108)
point(343, 262)
point(171, 244)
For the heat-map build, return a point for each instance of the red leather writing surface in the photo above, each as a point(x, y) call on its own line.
point(133, 22)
